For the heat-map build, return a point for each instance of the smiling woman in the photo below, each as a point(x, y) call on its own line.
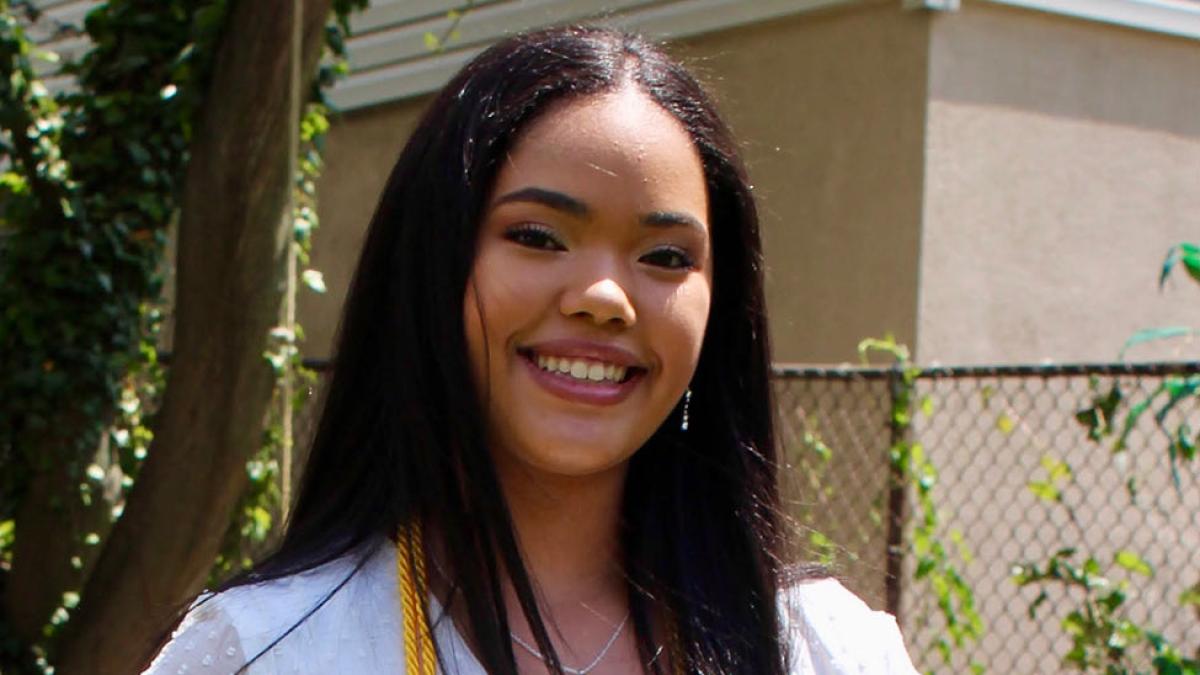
point(547, 443)
point(594, 254)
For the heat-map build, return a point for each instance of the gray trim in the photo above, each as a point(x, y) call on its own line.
point(395, 65)
point(390, 61)
point(1173, 17)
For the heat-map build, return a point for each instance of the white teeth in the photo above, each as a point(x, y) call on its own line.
point(582, 369)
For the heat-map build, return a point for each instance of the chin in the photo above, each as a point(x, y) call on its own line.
point(571, 458)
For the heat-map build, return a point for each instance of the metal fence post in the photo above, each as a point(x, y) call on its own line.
point(897, 497)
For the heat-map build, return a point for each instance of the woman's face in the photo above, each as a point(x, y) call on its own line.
point(587, 304)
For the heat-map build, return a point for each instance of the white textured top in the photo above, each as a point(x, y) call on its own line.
point(357, 632)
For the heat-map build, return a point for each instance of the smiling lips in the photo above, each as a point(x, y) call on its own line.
point(582, 369)
point(583, 372)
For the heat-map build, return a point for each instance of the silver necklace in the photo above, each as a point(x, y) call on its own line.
point(589, 667)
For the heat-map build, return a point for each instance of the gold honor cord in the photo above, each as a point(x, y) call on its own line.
point(419, 655)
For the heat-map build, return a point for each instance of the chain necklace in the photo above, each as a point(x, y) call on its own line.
point(420, 656)
point(589, 667)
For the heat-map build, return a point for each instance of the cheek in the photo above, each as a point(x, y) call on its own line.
point(685, 318)
point(499, 299)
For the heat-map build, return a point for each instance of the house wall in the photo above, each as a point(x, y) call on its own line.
point(1063, 160)
point(829, 108)
point(988, 185)
point(361, 148)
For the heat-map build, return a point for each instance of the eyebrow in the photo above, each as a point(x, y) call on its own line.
point(672, 219)
point(556, 200)
point(560, 201)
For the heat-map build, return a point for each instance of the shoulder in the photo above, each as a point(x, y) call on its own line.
point(278, 621)
point(205, 638)
point(831, 630)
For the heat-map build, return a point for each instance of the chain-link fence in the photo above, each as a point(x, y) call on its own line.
point(995, 436)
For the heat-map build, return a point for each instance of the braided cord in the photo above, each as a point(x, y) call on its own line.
point(419, 655)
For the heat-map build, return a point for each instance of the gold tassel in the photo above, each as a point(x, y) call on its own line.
point(419, 655)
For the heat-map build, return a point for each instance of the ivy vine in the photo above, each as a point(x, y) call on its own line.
point(1104, 639)
point(938, 556)
point(90, 180)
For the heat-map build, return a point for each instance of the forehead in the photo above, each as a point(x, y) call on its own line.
point(621, 140)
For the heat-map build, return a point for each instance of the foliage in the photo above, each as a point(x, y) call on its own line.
point(935, 558)
point(817, 547)
point(90, 180)
point(1103, 637)
point(85, 202)
point(437, 42)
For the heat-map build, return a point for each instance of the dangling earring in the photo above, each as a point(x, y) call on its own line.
point(687, 399)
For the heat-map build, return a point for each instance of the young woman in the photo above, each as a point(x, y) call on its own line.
point(547, 445)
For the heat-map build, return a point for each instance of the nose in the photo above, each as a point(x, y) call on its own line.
point(600, 298)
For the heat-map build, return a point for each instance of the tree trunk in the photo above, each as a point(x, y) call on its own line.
point(230, 279)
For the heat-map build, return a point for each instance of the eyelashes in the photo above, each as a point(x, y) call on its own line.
point(669, 257)
point(532, 235)
point(540, 237)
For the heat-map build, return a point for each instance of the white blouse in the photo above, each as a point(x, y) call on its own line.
point(357, 632)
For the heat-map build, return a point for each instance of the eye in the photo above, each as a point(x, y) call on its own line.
point(530, 235)
point(669, 257)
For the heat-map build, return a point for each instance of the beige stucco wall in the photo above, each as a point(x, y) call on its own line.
point(361, 149)
point(1063, 160)
point(1030, 185)
point(830, 110)
point(991, 185)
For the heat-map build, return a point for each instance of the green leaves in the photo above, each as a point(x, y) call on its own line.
point(1058, 473)
point(1185, 442)
point(936, 566)
point(1191, 596)
point(823, 547)
point(1132, 562)
point(1099, 417)
point(1046, 491)
point(1101, 638)
point(1154, 335)
point(89, 184)
point(314, 280)
point(1188, 254)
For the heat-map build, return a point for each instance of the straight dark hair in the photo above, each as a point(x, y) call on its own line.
point(401, 436)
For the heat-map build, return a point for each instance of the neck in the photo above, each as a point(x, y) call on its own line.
point(568, 531)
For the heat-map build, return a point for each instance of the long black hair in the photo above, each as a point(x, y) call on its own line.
point(401, 436)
